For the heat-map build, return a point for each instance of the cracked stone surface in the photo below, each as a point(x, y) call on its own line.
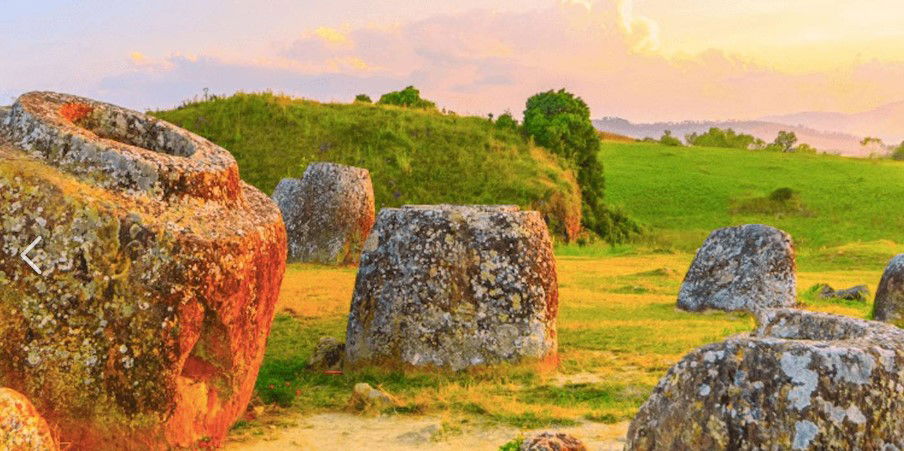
point(328, 213)
point(21, 426)
point(161, 273)
point(454, 287)
point(889, 303)
point(802, 380)
point(742, 268)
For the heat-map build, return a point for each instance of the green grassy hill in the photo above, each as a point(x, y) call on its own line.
point(414, 156)
point(683, 193)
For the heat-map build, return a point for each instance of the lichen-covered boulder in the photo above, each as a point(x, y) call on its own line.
point(741, 268)
point(856, 293)
point(802, 380)
point(889, 303)
point(22, 428)
point(160, 272)
point(453, 287)
point(328, 213)
point(552, 441)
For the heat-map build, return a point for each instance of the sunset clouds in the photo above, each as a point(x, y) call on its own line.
point(620, 55)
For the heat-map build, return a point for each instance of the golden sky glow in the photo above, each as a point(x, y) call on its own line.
point(644, 60)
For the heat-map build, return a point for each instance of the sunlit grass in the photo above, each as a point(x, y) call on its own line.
point(682, 194)
point(614, 345)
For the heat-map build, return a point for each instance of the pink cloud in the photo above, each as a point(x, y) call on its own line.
point(485, 61)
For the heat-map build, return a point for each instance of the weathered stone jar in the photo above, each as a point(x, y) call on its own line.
point(453, 287)
point(160, 271)
point(889, 303)
point(744, 268)
point(803, 380)
point(328, 213)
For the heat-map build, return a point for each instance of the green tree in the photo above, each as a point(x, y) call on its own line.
point(409, 97)
point(363, 98)
point(871, 140)
point(898, 153)
point(668, 140)
point(560, 121)
point(785, 141)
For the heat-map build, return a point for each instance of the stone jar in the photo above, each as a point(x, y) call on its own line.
point(454, 287)
point(160, 271)
point(802, 380)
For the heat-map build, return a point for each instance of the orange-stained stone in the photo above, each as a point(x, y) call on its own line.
point(161, 271)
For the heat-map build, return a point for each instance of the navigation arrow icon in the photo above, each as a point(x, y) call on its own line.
point(28, 249)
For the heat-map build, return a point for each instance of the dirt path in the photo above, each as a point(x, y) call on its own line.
point(332, 431)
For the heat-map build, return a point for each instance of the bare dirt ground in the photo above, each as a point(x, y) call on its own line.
point(332, 431)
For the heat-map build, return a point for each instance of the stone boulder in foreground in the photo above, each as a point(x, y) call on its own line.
point(741, 268)
point(328, 213)
point(889, 303)
point(453, 287)
point(160, 271)
point(21, 426)
point(802, 380)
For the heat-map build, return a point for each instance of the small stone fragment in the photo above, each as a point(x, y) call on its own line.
point(552, 441)
point(802, 380)
point(454, 287)
point(328, 213)
point(329, 354)
point(367, 398)
point(889, 303)
point(22, 428)
point(742, 268)
point(857, 293)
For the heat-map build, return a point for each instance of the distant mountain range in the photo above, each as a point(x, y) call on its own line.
point(885, 122)
point(839, 133)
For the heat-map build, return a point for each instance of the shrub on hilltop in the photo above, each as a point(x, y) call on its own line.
point(410, 97)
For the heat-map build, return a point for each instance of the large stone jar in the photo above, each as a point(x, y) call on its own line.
point(454, 287)
point(159, 273)
point(802, 380)
point(328, 213)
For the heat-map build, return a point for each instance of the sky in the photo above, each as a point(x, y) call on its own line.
point(644, 60)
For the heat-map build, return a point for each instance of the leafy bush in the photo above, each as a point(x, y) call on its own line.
point(409, 97)
point(506, 121)
point(782, 195)
point(669, 140)
point(728, 138)
point(560, 121)
point(363, 98)
point(782, 201)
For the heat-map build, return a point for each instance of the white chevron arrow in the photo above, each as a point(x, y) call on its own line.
point(28, 249)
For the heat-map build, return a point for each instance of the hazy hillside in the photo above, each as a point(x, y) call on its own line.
point(831, 142)
point(683, 193)
point(414, 156)
point(885, 122)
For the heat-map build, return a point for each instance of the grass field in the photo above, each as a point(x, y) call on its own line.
point(618, 328)
point(684, 193)
point(618, 333)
